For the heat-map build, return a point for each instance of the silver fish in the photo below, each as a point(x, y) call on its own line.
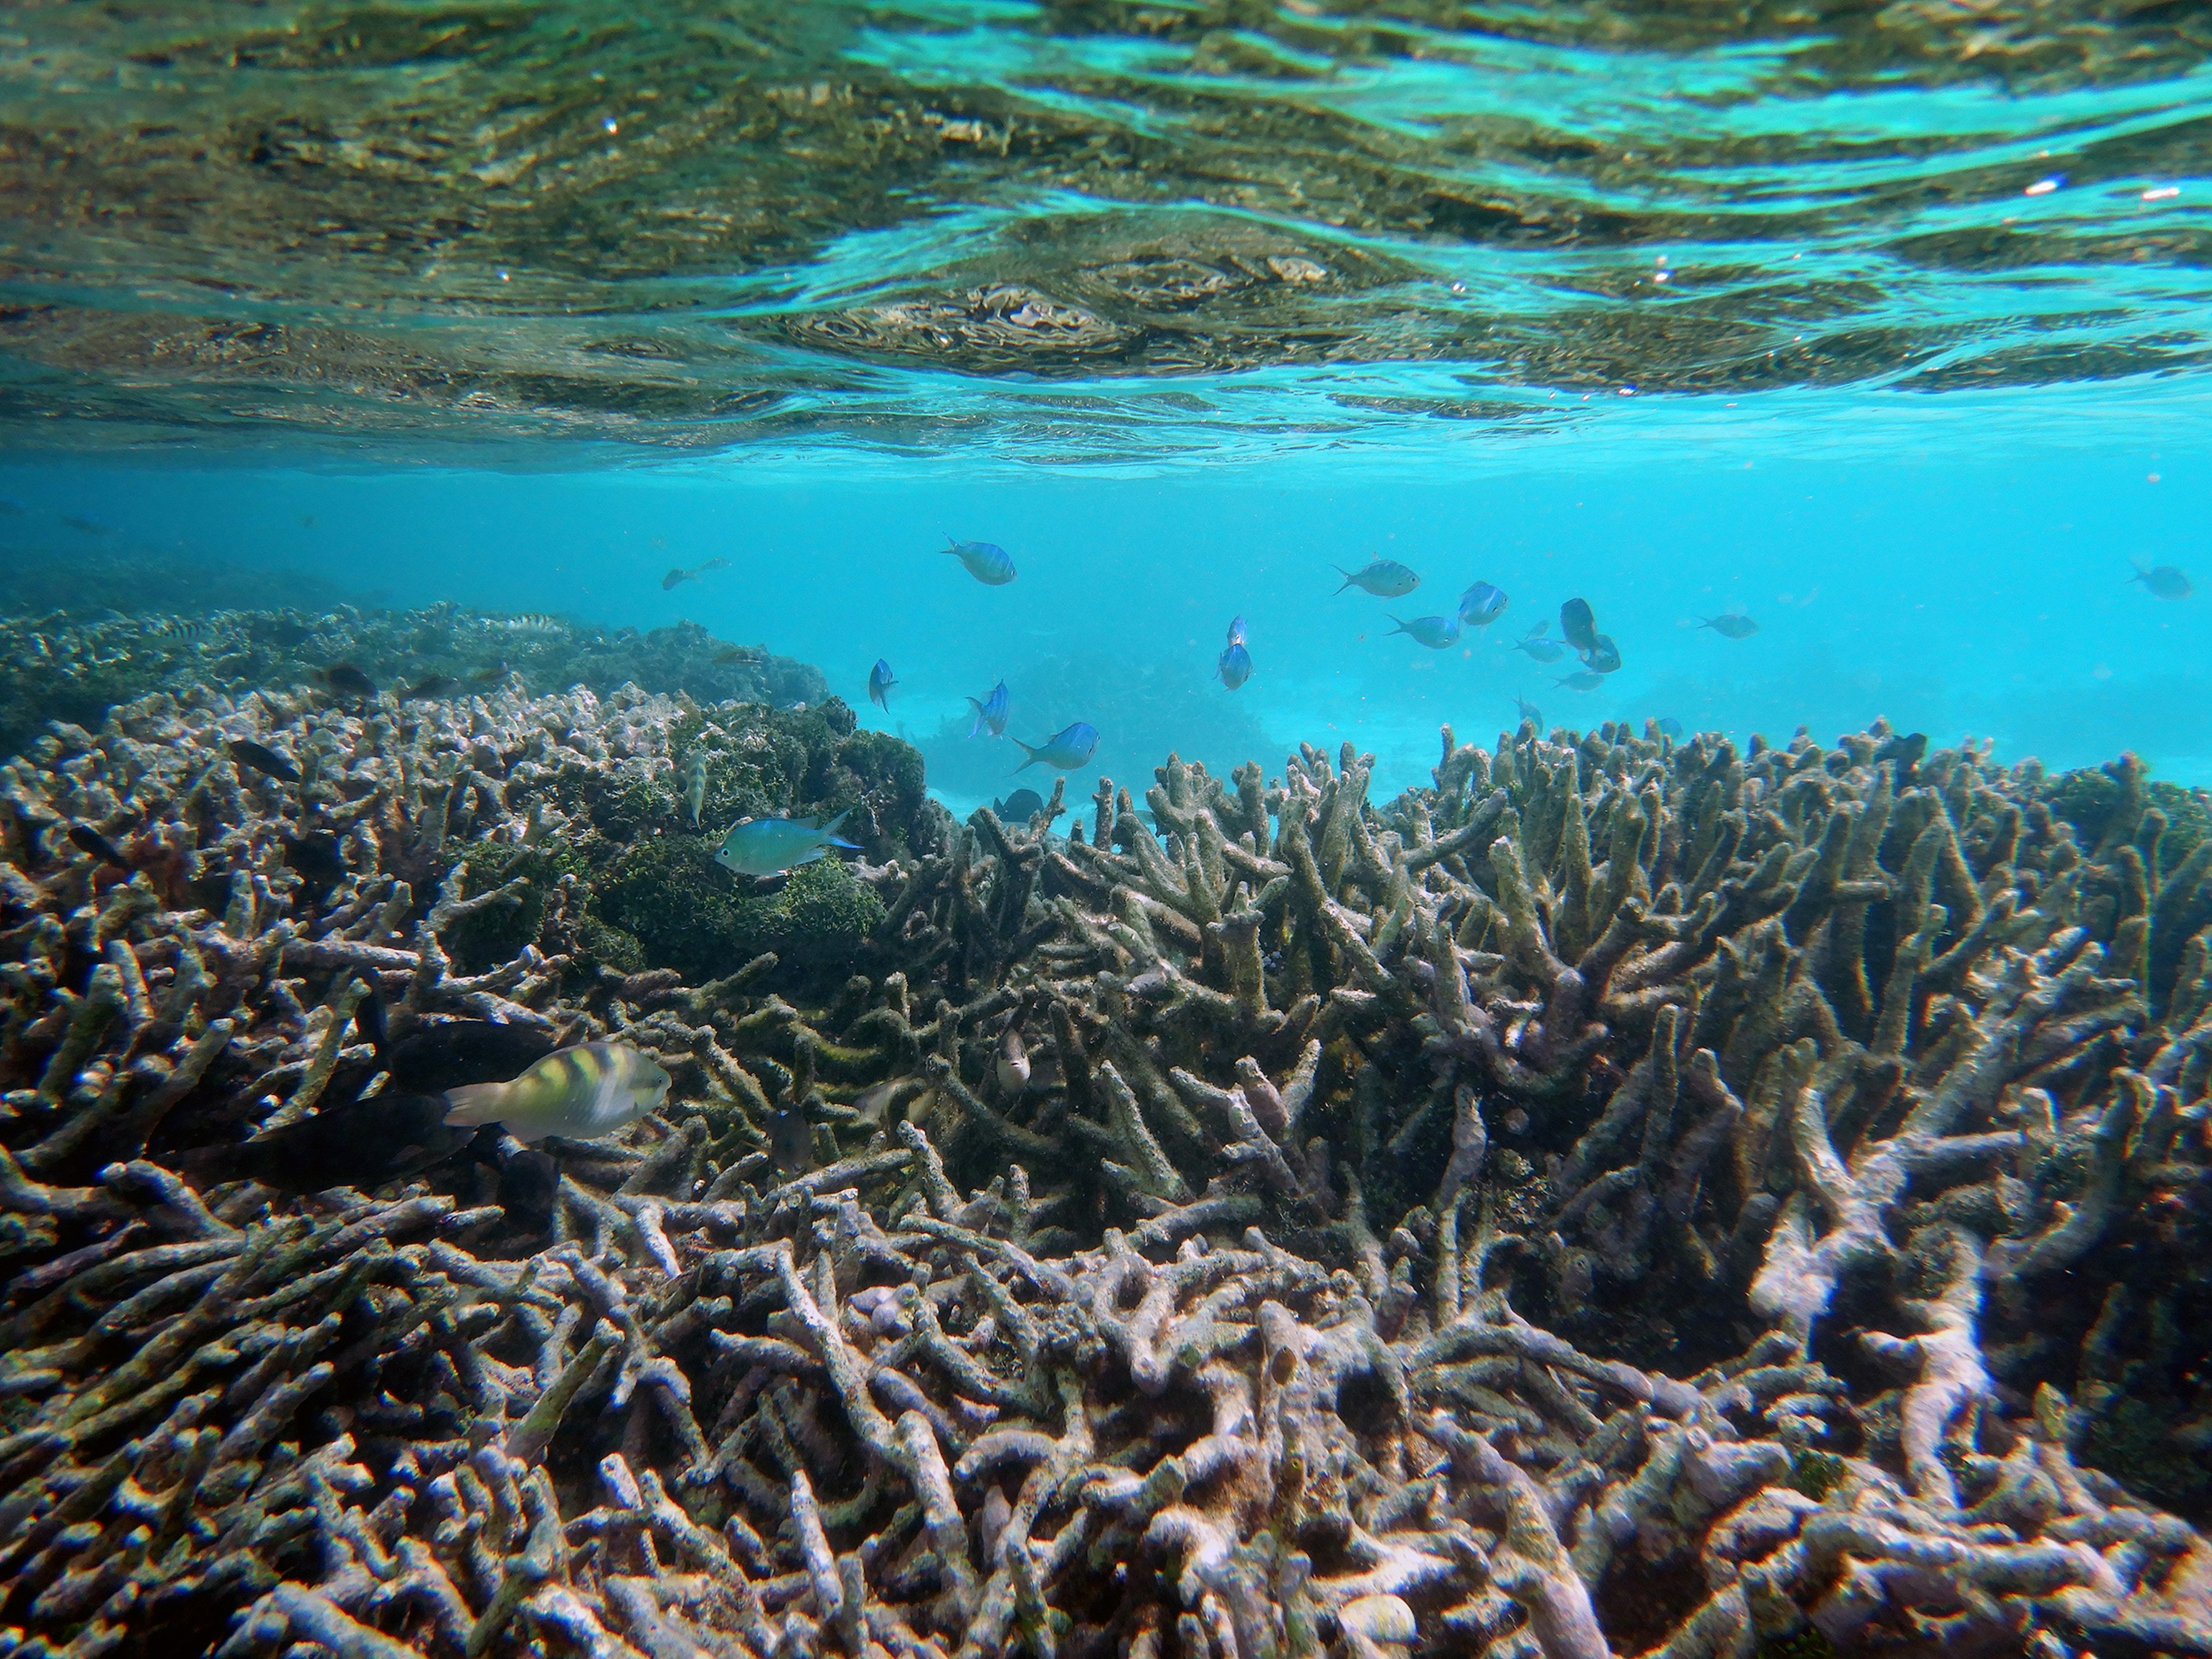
point(1537, 649)
point(1435, 632)
point(1013, 1062)
point(1731, 625)
point(1386, 578)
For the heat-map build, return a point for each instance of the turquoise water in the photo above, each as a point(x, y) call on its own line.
point(1883, 329)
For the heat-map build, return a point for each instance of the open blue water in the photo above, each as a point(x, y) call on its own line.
point(1885, 331)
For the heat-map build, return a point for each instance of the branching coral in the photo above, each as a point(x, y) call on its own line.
point(1627, 1198)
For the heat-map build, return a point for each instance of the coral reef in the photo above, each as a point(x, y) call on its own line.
point(1627, 1198)
point(71, 666)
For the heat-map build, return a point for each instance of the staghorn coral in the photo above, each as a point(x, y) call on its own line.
point(1629, 1198)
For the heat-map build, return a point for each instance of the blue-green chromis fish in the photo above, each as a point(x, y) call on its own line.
point(1236, 664)
point(987, 561)
point(1482, 605)
point(1386, 578)
point(579, 1094)
point(1537, 648)
point(991, 712)
point(1064, 750)
point(2164, 581)
point(1435, 632)
point(1585, 681)
point(695, 784)
point(881, 681)
point(768, 847)
point(1731, 625)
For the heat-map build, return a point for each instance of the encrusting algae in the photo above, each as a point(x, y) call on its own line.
point(1632, 1197)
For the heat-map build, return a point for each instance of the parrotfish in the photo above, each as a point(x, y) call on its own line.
point(1669, 727)
point(1386, 578)
point(1435, 632)
point(991, 712)
point(2165, 581)
point(1603, 657)
point(768, 847)
point(1731, 625)
point(987, 561)
point(695, 784)
point(579, 1094)
point(1577, 626)
point(880, 682)
point(1482, 605)
point(1236, 664)
point(1064, 750)
point(1585, 681)
point(1537, 648)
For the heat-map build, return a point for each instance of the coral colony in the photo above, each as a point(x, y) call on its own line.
point(1632, 1197)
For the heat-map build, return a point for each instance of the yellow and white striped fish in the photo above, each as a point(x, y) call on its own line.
point(579, 1094)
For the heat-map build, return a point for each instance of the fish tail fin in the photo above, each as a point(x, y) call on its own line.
point(839, 841)
point(1026, 749)
point(472, 1104)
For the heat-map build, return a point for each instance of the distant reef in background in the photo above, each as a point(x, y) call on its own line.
point(73, 666)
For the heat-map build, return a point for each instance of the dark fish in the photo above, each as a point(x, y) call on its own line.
point(791, 1141)
point(1603, 657)
point(1731, 625)
point(1905, 748)
point(86, 839)
point(263, 759)
point(528, 1183)
point(677, 575)
point(1019, 807)
point(364, 1144)
point(315, 858)
point(2165, 581)
point(1577, 625)
point(348, 681)
point(458, 1052)
point(1585, 681)
point(488, 676)
point(881, 681)
point(90, 526)
point(369, 1020)
point(433, 686)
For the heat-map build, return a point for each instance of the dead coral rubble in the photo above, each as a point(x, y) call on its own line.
point(1630, 1198)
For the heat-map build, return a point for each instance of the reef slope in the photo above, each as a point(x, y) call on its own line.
point(1627, 1198)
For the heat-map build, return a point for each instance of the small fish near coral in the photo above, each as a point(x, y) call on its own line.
point(768, 847)
point(1064, 750)
point(695, 784)
point(1019, 807)
point(1603, 656)
point(881, 681)
point(987, 561)
point(1579, 625)
point(991, 712)
point(1386, 578)
point(1235, 666)
point(345, 680)
point(577, 1094)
